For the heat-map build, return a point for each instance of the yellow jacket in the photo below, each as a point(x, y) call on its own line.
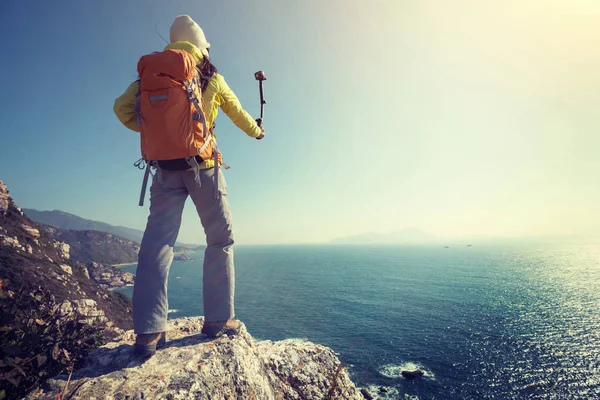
point(217, 94)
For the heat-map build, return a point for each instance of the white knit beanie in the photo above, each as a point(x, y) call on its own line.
point(185, 29)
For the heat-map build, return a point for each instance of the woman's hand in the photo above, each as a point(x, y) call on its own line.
point(262, 133)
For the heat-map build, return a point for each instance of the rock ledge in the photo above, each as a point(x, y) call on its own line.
point(193, 367)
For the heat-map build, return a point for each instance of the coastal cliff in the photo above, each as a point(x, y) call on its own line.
point(74, 297)
point(30, 258)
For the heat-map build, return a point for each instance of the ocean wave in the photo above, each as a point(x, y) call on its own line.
point(258, 340)
point(173, 311)
point(297, 340)
point(395, 370)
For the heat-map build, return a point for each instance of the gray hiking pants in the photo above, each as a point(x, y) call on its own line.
point(168, 194)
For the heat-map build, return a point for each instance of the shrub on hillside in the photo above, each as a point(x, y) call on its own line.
point(39, 340)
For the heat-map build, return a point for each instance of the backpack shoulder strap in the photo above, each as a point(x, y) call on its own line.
point(190, 87)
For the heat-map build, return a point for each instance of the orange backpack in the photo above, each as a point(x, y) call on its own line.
point(173, 128)
point(170, 111)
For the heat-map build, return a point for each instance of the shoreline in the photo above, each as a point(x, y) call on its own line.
point(129, 264)
point(124, 264)
point(112, 289)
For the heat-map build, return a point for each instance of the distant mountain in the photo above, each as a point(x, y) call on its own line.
point(409, 236)
point(64, 220)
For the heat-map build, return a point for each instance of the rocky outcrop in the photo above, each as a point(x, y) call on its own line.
point(412, 374)
point(86, 309)
point(66, 268)
point(4, 199)
point(31, 257)
point(64, 249)
point(108, 276)
point(31, 230)
point(193, 367)
point(21, 237)
point(183, 257)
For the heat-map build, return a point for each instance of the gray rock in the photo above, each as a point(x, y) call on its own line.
point(412, 374)
point(63, 249)
point(182, 257)
point(66, 268)
point(11, 242)
point(366, 394)
point(4, 199)
point(86, 273)
point(31, 230)
point(193, 367)
point(86, 309)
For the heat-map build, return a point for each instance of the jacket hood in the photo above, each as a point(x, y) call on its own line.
point(189, 47)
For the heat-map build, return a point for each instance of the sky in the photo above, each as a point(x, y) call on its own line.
point(458, 117)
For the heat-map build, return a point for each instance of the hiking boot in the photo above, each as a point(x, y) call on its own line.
point(146, 344)
point(215, 329)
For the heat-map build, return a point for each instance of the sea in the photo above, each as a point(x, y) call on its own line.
point(487, 321)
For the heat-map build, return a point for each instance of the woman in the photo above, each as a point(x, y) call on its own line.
point(168, 194)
